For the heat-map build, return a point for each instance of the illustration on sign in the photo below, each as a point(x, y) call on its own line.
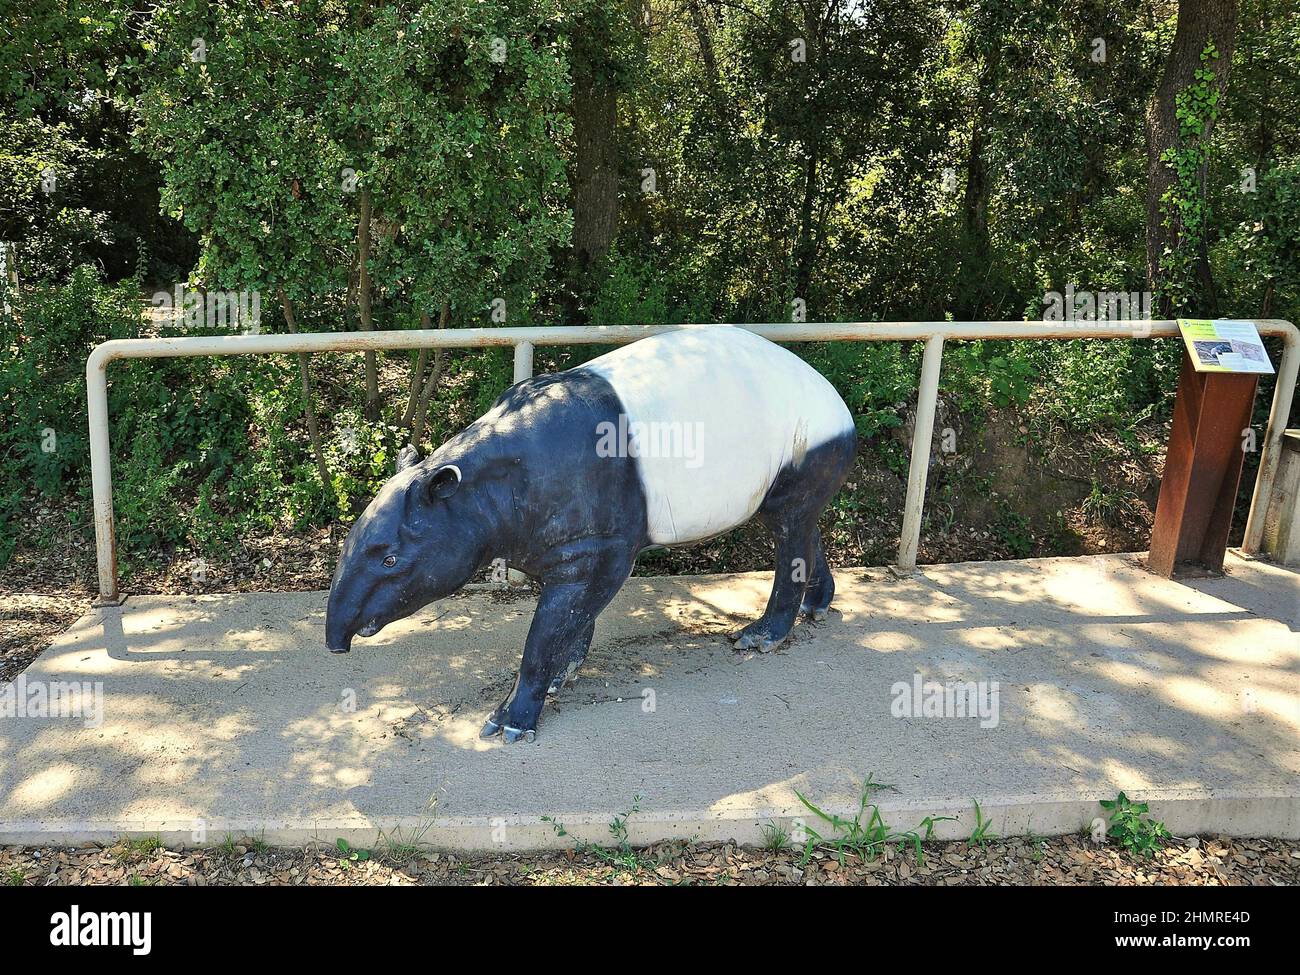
point(1224, 346)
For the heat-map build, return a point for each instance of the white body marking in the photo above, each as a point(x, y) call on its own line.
point(714, 414)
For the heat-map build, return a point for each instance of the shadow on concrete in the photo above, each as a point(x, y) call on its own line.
point(229, 707)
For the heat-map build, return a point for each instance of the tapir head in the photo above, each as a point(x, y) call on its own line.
point(417, 541)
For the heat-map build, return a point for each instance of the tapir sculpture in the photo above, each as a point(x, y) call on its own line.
point(568, 477)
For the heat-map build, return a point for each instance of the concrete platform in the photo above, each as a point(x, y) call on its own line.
point(225, 714)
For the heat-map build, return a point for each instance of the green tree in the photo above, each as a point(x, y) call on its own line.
point(336, 155)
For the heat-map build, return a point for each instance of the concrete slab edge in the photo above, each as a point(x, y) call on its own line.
point(1185, 814)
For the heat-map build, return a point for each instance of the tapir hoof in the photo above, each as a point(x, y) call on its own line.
point(491, 729)
point(754, 638)
point(519, 734)
point(814, 609)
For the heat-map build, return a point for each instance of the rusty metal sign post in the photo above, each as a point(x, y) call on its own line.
point(1202, 471)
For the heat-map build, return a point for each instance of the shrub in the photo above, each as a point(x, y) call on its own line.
point(43, 350)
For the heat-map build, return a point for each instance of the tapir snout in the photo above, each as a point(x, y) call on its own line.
point(346, 611)
point(338, 628)
point(342, 622)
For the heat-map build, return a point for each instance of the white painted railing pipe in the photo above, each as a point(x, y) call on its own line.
point(524, 340)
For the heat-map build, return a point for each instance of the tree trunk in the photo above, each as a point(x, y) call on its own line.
point(595, 167)
point(308, 407)
point(807, 243)
point(417, 379)
point(975, 202)
point(1199, 23)
point(704, 37)
point(596, 177)
point(363, 301)
point(422, 405)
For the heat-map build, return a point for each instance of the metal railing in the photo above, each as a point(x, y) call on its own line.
point(525, 340)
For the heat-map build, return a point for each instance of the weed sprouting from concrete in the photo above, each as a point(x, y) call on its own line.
point(916, 838)
point(1130, 824)
point(348, 855)
point(622, 856)
point(775, 838)
point(867, 834)
point(127, 850)
point(557, 827)
point(981, 834)
point(399, 846)
point(851, 836)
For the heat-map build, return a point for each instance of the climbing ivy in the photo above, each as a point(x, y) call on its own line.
point(1196, 109)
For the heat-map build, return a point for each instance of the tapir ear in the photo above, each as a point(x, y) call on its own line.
point(443, 482)
point(408, 457)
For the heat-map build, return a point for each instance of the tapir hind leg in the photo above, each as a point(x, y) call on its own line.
point(821, 586)
point(802, 580)
point(795, 556)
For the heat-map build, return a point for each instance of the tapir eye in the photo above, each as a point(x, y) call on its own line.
point(390, 561)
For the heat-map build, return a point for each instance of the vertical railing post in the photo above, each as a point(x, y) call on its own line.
point(1287, 371)
point(101, 479)
point(523, 370)
point(523, 361)
point(919, 467)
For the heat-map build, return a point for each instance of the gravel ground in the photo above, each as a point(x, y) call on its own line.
point(28, 624)
point(1061, 861)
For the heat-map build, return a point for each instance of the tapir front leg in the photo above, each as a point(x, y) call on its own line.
point(561, 632)
point(562, 617)
point(572, 659)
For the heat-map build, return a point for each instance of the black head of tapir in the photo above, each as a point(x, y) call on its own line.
point(414, 543)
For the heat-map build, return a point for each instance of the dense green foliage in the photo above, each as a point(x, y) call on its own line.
point(266, 143)
point(775, 160)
